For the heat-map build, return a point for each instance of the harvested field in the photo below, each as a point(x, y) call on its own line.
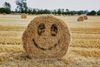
point(84, 49)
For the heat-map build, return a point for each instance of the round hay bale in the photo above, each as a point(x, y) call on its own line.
point(81, 18)
point(46, 37)
point(4, 13)
point(23, 16)
point(85, 17)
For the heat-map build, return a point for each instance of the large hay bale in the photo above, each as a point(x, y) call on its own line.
point(46, 37)
point(23, 16)
point(81, 18)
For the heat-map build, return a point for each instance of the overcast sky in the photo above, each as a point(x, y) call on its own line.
point(55, 4)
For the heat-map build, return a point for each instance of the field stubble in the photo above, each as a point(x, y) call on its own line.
point(84, 49)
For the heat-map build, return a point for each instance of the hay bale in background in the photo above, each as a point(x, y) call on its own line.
point(81, 18)
point(85, 17)
point(23, 16)
point(4, 13)
point(46, 37)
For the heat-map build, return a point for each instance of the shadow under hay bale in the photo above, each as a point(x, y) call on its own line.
point(23, 16)
point(21, 60)
point(46, 37)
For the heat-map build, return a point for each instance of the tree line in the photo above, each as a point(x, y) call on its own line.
point(23, 8)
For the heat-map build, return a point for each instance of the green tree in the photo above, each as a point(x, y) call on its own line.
point(80, 12)
point(92, 12)
point(59, 11)
point(21, 6)
point(7, 5)
point(54, 11)
point(67, 11)
point(29, 10)
point(98, 12)
point(6, 8)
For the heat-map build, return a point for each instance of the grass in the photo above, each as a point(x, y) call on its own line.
point(90, 52)
point(85, 30)
point(11, 48)
point(12, 28)
point(87, 43)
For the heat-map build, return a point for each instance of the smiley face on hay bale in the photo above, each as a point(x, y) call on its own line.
point(46, 37)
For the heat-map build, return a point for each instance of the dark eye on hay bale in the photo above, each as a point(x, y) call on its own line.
point(54, 30)
point(41, 28)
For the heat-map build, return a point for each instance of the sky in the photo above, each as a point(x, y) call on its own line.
point(56, 4)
